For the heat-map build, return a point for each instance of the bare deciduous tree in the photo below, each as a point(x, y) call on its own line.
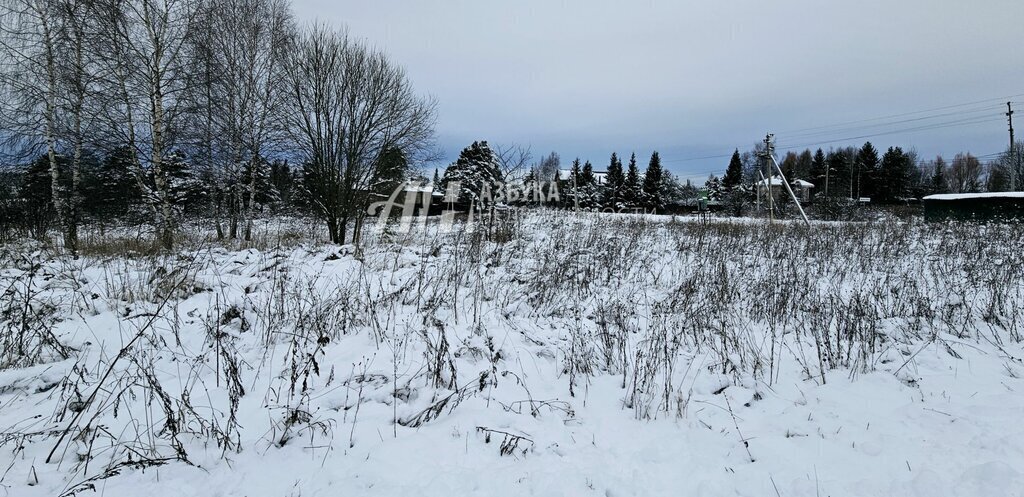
point(512, 160)
point(350, 106)
point(145, 66)
point(45, 80)
point(240, 52)
point(548, 167)
point(965, 174)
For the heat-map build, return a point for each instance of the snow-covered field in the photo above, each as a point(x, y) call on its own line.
point(594, 355)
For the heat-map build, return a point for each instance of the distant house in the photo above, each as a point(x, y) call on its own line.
point(413, 194)
point(600, 177)
point(974, 206)
point(802, 189)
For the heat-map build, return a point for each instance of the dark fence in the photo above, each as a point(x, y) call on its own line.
point(974, 207)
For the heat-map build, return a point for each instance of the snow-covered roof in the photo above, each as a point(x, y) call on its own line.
point(566, 175)
point(428, 188)
point(777, 181)
point(958, 196)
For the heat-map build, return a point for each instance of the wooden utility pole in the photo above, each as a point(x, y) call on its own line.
point(852, 165)
point(785, 182)
point(1009, 117)
point(1013, 155)
point(768, 151)
point(827, 168)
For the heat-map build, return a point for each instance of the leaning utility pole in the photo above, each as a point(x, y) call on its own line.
point(1013, 156)
point(769, 158)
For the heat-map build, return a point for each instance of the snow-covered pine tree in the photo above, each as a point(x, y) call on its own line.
point(895, 172)
point(283, 181)
point(530, 188)
point(817, 173)
point(36, 199)
point(734, 173)
point(654, 183)
point(632, 187)
point(869, 182)
point(714, 188)
point(570, 186)
point(110, 188)
point(184, 189)
point(554, 191)
point(614, 182)
point(264, 192)
point(391, 171)
point(477, 172)
point(587, 184)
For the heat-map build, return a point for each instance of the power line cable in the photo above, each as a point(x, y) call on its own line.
point(986, 110)
point(962, 122)
point(967, 121)
point(904, 114)
point(688, 159)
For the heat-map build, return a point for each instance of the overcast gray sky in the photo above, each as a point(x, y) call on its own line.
point(694, 79)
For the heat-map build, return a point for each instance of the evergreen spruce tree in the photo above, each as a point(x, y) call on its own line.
point(895, 175)
point(654, 183)
point(588, 187)
point(632, 186)
point(183, 187)
point(868, 173)
point(109, 187)
point(530, 187)
point(734, 173)
point(283, 182)
point(477, 172)
point(265, 191)
point(804, 164)
point(734, 195)
point(571, 185)
point(576, 170)
point(587, 174)
point(615, 180)
point(817, 174)
point(788, 165)
point(938, 180)
point(391, 172)
point(838, 162)
point(714, 188)
point(36, 199)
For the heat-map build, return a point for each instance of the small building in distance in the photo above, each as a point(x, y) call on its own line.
point(600, 177)
point(802, 189)
point(993, 206)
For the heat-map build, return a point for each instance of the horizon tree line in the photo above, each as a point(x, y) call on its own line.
point(480, 170)
point(895, 176)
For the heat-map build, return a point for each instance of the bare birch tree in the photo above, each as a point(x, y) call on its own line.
point(33, 49)
point(239, 53)
point(145, 65)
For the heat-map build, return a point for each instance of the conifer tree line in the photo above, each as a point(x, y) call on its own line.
point(157, 109)
point(890, 177)
point(485, 175)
